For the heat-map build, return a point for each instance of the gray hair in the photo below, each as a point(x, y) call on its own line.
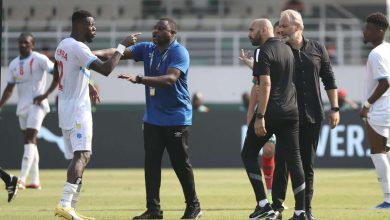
point(293, 16)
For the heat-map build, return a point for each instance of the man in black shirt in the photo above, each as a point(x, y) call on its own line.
point(277, 114)
point(311, 63)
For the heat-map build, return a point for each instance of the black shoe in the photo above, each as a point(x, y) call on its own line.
point(192, 211)
point(310, 216)
point(262, 212)
point(12, 188)
point(302, 216)
point(150, 214)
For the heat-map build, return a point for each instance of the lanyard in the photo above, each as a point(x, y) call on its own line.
point(162, 59)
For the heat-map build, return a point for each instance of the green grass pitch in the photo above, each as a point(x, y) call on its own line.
point(113, 194)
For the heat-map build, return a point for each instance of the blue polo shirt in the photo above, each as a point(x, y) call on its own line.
point(170, 105)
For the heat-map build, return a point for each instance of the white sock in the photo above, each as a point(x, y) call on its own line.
point(263, 202)
point(76, 195)
point(67, 194)
point(28, 157)
point(34, 172)
point(298, 212)
point(382, 168)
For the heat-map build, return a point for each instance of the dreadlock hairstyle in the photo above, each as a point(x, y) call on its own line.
point(378, 19)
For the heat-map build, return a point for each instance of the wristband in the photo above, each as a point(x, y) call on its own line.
point(259, 115)
point(367, 104)
point(138, 79)
point(335, 109)
point(121, 48)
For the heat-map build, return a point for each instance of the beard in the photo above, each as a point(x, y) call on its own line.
point(290, 38)
point(256, 39)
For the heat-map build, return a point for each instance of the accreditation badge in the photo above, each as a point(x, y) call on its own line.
point(152, 91)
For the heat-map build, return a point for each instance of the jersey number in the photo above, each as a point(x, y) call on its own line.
point(61, 70)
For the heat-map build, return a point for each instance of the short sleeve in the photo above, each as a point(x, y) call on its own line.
point(179, 59)
point(46, 64)
point(261, 64)
point(380, 68)
point(84, 55)
point(11, 73)
point(137, 51)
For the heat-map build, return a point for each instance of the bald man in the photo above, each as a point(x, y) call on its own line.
point(277, 113)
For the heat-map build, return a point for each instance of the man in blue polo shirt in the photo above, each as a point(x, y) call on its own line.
point(168, 114)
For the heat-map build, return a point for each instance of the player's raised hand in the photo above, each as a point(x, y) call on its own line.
point(131, 77)
point(131, 39)
point(246, 58)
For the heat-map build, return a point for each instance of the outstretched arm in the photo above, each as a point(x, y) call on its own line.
point(106, 67)
point(168, 79)
point(107, 53)
point(53, 85)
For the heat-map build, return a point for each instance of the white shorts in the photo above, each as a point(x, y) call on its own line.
point(33, 118)
point(381, 130)
point(78, 138)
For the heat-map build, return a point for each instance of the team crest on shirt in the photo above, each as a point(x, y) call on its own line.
point(79, 135)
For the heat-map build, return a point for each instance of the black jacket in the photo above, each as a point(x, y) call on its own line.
point(312, 63)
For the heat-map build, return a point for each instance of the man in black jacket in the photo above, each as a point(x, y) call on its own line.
point(311, 63)
point(277, 113)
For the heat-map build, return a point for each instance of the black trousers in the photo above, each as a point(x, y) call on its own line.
point(175, 140)
point(287, 149)
point(308, 141)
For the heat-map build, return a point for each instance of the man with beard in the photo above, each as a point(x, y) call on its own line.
point(73, 61)
point(168, 114)
point(311, 63)
point(267, 157)
point(277, 113)
point(376, 108)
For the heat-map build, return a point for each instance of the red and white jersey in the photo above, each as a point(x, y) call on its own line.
point(378, 67)
point(73, 60)
point(29, 76)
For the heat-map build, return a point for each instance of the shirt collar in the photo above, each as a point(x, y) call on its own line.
point(169, 47)
point(304, 39)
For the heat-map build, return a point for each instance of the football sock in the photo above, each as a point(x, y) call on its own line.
point(67, 194)
point(298, 212)
point(28, 157)
point(34, 172)
point(382, 168)
point(76, 195)
point(263, 202)
point(268, 166)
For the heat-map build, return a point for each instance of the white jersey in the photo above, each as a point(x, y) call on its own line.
point(29, 76)
point(378, 67)
point(73, 60)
